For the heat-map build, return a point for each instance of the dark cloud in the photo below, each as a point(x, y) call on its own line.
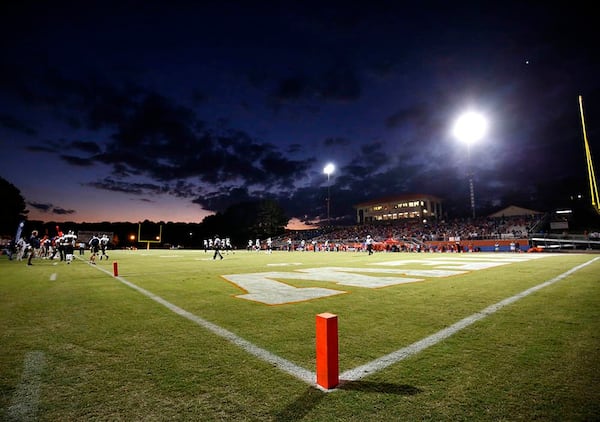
point(50, 208)
point(40, 206)
point(77, 161)
point(169, 143)
point(62, 211)
point(128, 187)
point(182, 189)
point(221, 199)
point(86, 146)
point(152, 135)
point(13, 123)
point(294, 148)
point(340, 83)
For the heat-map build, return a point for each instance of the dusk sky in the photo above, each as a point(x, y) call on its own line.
point(171, 111)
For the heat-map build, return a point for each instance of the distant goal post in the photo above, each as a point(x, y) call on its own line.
point(149, 235)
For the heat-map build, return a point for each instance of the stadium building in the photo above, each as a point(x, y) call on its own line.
point(407, 206)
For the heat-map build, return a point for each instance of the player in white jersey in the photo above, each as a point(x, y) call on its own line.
point(68, 244)
point(217, 246)
point(269, 245)
point(103, 245)
point(369, 243)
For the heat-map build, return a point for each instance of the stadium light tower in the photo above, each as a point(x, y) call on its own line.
point(470, 128)
point(329, 168)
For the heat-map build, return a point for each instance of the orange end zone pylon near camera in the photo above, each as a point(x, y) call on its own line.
point(327, 350)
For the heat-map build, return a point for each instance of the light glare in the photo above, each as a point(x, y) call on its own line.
point(470, 127)
point(329, 168)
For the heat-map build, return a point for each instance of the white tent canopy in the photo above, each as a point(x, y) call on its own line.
point(514, 211)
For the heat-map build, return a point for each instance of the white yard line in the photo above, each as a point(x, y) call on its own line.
point(283, 364)
point(359, 372)
point(400, 354)
point(26, 398)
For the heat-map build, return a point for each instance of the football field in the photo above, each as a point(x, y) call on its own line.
point(175, 335)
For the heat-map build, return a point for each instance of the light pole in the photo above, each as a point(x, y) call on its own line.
point(470, 128)
point(329, 168)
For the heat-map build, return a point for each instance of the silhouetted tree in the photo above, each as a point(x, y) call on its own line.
point(247, 220)
point(270, 220)
point(13, 209)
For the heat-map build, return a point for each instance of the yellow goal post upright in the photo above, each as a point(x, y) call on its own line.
point(590, 165)
point(156, 239)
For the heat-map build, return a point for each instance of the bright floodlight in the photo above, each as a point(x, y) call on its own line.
point(329, 168)
point(470, 127)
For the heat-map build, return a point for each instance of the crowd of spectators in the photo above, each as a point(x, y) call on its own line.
point(412, 231)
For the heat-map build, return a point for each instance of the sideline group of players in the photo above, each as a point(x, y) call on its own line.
point(60, 247)
point(63, 245)
point(256, 246)
point(218, 244)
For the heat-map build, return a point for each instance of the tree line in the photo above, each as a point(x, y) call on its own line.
point(240, 222)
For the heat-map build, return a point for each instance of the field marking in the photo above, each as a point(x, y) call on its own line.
point(262, 288)
point(508, 256)
point(53, 277)
point(400, 354)
point(361, 371)
point(284, 264)
point(26, 398)
point(285, 365)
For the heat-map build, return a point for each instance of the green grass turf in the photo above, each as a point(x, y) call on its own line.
point(107, 352)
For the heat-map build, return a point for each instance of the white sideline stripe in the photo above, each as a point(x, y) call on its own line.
point(394, 357)
point(359, 372)
point(281, 363)
point(284, 264)
point(26, 398)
